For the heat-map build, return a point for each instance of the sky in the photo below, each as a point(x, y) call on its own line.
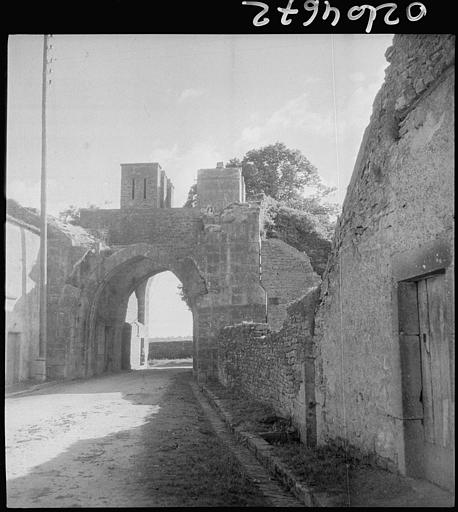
point(169, 315)
point(185, 101)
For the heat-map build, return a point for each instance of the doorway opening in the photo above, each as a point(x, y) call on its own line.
point(159, 325)
point(425, 350)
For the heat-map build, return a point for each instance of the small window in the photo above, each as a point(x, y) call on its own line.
point(133, 189)
point(144, 188)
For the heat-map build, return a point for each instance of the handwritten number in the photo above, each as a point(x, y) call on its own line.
point(256, 20)
point(328, 11)
point(391, 8)
point(311, 5)
point(419, 15)
point(355, 12)
point(286, 12)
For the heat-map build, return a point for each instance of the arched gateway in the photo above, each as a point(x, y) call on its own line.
point(213, 249)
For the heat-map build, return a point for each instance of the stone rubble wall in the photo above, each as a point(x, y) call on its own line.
point(270, 366)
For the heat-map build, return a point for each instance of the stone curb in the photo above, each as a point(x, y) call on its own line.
point(263, 452)
point(41, 385)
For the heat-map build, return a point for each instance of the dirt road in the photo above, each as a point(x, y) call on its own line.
point(134, 439)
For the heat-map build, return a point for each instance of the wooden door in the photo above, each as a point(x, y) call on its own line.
point(436, 382)
point(426, 381)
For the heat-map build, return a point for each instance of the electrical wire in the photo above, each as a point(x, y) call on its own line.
point(340, 275)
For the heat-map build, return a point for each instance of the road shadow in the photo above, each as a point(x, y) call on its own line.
point(173, 458)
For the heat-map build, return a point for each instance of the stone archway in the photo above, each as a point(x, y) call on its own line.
point(216, 258)
point(123, 273)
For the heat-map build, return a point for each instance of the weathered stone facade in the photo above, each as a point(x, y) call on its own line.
point(396, 225)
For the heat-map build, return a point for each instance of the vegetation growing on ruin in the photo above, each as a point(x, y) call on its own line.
point(283, 175)
point(71, 215)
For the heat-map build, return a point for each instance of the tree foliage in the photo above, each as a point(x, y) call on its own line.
point(277, 171)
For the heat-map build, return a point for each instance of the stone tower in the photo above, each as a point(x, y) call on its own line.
point(145, 185)
point(220, 187)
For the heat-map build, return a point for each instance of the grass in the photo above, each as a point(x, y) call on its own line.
point(324, 467)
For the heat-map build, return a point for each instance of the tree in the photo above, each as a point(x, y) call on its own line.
point(277, 171)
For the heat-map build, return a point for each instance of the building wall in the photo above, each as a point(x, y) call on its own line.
point(22, 299)
point(397, 223)
point(274, 367)
point(286, 275)
point(66, 245)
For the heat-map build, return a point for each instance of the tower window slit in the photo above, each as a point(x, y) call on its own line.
point(144, 188)
point(133, 189)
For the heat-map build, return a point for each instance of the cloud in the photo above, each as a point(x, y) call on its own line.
point(295, 116)
point(358, 76)
point(188, 94)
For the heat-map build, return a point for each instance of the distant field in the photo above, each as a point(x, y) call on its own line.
point(170, 350)
point(169, 362)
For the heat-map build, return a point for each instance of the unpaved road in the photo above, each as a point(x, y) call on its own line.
point(133, 439)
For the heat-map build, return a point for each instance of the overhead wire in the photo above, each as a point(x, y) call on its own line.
point(342, 353)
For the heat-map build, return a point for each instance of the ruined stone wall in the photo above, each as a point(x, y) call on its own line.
point(286, 275)
point(274, 367)
point(65, 354)
point(229, 252)
point(397, 218)
point(175, 228)
point(299, 229)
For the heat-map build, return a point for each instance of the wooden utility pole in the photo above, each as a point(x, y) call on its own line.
point(44, 224)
